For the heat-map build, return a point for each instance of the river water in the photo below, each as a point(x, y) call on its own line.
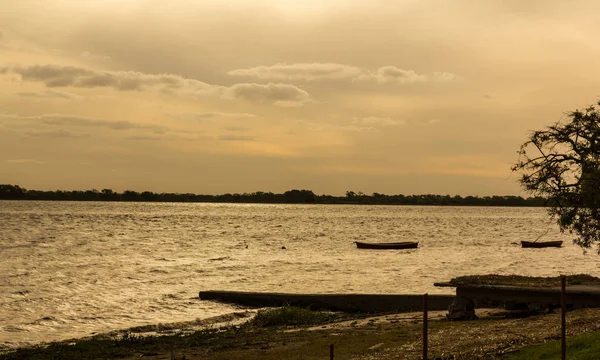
point(70, 269)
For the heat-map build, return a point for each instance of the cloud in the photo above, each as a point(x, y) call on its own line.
point(358, 128)
point(51, 94)
point(237, 138)
point(23, 161)
point(111, 124)
point(62, 76)
point(171, 137)
point(59, 133)
point(235, 128)
point(212, 115)
point(332, 71)
point(16, 45)
point(70, 120)
point(143, 137)
point(278, 94)
point(392, 74)
point(69, 76)
point(388, 74)
point(443, 76)
point(300, 71)
point(377, 121)
point(289, 104)
point(326, 127)
point(92, 56)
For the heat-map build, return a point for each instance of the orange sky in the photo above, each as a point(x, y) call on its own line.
point(400, 96)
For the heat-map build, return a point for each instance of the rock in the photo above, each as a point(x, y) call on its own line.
point(462, 308)
point(376, 346)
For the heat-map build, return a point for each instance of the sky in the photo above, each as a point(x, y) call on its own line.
point(217, 96)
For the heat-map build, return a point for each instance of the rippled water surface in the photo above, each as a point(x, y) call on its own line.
point(71, 269)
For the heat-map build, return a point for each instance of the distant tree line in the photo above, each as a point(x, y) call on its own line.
point(15, 192)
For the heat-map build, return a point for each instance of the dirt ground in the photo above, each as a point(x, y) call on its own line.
point(491, 339)
point(399, 336)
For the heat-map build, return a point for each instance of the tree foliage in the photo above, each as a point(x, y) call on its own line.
point(14, 192)
point(562, 164)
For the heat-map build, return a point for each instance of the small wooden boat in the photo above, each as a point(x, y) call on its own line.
point(387, 246)
point(541, 244)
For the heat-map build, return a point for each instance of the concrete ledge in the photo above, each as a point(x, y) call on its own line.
point(376, 303)
point(577, 296)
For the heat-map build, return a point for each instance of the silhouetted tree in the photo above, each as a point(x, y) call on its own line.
point(350, 195)
point(562, 164)
point(130, 195)
point(299, 196)
point(12, 192)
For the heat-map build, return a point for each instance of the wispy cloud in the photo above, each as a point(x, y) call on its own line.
point(237, 138)
point(235, 128)
point(70, 76)
point(57, 133)
point(200, 116)
point(51, 94)
point(111, 124)
point(326, 127)
point(279, 94)
point(300, 71)
point(332, 71)
point(392, 74)
point(377, 121)
point(23, 161)
point(63, 76)
point(70, 120)
point(145, 137)
point(358, 128)
point(93, 56)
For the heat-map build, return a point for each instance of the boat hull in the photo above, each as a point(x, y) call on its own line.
point(387, 246)
point(537, 245)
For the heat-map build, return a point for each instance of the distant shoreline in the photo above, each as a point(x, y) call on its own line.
point(15, 192)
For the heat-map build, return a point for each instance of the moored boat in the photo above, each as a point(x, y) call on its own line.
point(387, 246)
point(541, 244)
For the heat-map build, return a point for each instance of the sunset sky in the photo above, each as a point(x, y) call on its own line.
point(224, 96)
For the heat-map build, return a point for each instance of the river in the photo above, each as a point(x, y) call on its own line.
point(71, 269)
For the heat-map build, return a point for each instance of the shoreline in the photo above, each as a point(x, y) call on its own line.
point(277, 333)
point(158, 329)
point(281, 203)
point(494, 335)
point(362, 305)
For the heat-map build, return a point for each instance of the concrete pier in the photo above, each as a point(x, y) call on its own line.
point(578, 296)
point(375, 303)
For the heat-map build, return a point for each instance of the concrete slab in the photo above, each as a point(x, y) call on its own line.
point(577, 296)
point(375, 303)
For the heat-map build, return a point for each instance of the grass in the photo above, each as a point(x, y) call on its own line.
point(291, 316)
point(517, 280)
point(580, 347)
point(307, 345)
